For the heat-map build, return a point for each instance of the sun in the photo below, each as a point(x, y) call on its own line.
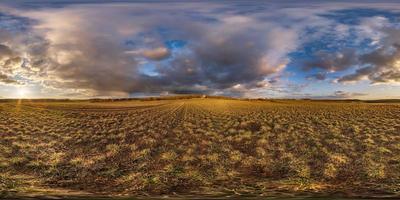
point(22, 92)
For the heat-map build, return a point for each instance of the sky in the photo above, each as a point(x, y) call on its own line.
point(238, 48)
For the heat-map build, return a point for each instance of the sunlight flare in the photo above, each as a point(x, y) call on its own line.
point(22, 92)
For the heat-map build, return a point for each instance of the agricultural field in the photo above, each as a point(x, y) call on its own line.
point(200, 146)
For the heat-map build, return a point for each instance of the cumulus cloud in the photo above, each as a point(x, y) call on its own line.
point(381, 65)
point(80, 47)
point(221, 60)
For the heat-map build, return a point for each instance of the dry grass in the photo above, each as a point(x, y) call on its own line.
point(201, 146)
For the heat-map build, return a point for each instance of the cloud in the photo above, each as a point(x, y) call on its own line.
point(382, 65)
point(358, 75)
point(318, 76)
point(346, 95)
point(159, 53)
point(338, 94)
point(80, 48)
point(5, 51)
point(332, 62)
point(9, 62)
point(377, 62)
point(7, 80)
point(221, 60)
point(8, 59)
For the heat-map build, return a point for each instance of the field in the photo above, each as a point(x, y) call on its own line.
point(212, 147)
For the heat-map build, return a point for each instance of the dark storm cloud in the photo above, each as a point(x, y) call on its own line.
point(96, 63)
point(220, 64)
point(358, 75)
point(235, 59)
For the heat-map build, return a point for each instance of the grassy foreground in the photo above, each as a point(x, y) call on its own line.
point(209, 147)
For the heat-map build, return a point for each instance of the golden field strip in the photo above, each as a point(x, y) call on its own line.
point(200, 146)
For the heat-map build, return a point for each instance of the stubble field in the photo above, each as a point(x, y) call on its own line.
point(212, 147)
